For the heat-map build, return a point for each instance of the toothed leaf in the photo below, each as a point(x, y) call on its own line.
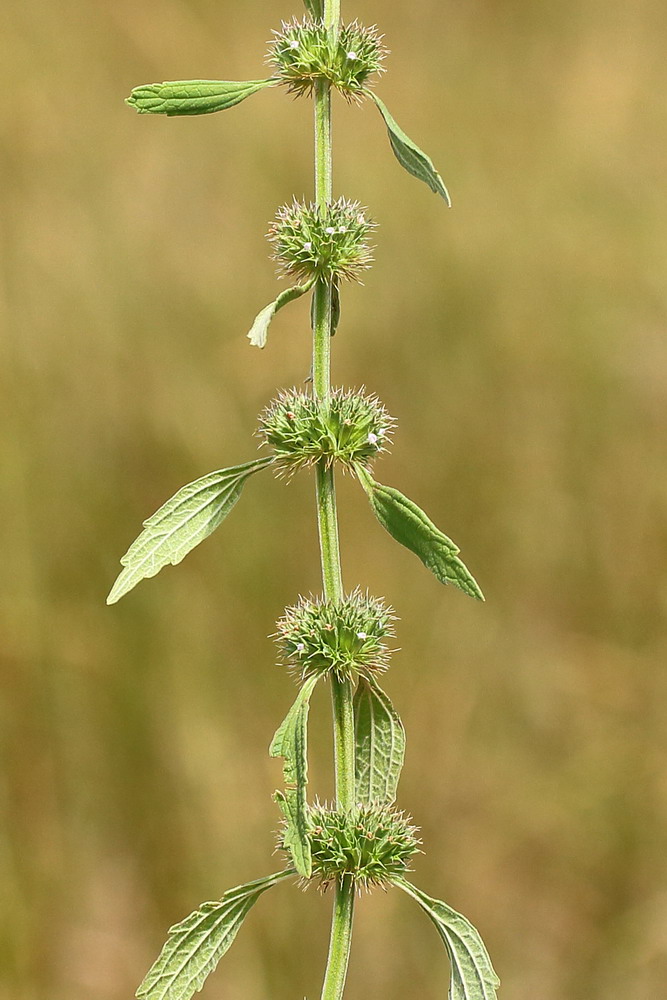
point(410, 526)
point(195, 945)
point(380, 745)
point(409, 155)
point(193, 97)
point(182, 523)
point(260, 328)
point(291, 743)
point(473, 976)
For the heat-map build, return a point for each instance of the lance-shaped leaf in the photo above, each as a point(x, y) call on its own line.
point(195, 945)
point(335, 308)
point(291, 743)
point(193, 97)
point(380, 744)
point(473, 976)
point(410, 526)
point(409, 155)
point(181, 523)
point(260, 328)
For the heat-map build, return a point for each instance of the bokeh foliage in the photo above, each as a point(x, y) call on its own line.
point(519, 338)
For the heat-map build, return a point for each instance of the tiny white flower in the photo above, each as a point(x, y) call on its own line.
point(342, 229)
point(362, 635)
point(308, 245)
point(294, 44)
point(351, 54)
point(300, 647)
point(330, 230)
point(372, 438)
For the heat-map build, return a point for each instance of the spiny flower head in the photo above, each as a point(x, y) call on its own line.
point(304, 51)
point(348, 427)
point(328, 242)
point(372, 843)
point(317, 636)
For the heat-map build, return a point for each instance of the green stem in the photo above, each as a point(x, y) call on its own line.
point(341, 935)
point(341, 690)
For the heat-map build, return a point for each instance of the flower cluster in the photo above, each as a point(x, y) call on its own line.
point(372, 843)
point(349, 427)
point(317, 636)
point(330, 242)
point(304, 52)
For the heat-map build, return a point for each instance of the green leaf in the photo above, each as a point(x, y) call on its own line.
point(410, 156)
point(195, 945)
point(410, 526)
point(473, 976)
point(260, 328)
point(181, 523)
point(315, 8)
point(291, 743)
point(380, 744)
point(335, 308)
point(193, 97)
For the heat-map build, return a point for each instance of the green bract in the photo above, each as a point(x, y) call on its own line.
point(331, 242)
point(373, 844)
point(350, 428)
point(303, 52)
point(318, 637)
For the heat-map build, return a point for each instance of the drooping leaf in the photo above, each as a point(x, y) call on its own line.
point(410, 526)
point(181, 523)
point(409, 155)
point(315, 8)
point(473, 976)
point(291, 743)
point(380, 744)
point(193, 97)
point(335, 308)
point(195, 945)
point(260, 328)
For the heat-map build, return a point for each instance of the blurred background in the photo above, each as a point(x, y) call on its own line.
point(519, 339)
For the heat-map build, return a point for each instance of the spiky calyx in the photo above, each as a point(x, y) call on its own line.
point(303, 52)
point(350, 427)
point(320, 637)
point(327, 242)
point(371, 843)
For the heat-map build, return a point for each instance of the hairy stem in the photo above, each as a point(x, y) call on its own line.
point(341, 691)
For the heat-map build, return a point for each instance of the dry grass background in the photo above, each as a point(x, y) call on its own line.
point(520, 339)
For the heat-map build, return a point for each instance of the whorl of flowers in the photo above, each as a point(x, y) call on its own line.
point(303, 52)
point(319, 637)
point(350, 427)
point(371, 843)
point(330, 242)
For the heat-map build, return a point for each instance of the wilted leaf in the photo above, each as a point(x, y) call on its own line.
point(260, 328)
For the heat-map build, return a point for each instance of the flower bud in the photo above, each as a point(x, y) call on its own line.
point(319, 637)
point(349, 427)
point(328, 242)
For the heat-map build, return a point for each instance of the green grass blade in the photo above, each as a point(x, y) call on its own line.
point(195, 945)
point(380, 744)
point(182, 523)
point(193, 97)
point(291, 743)
point(408, 154)
point(410, 526)
point(472, 974)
